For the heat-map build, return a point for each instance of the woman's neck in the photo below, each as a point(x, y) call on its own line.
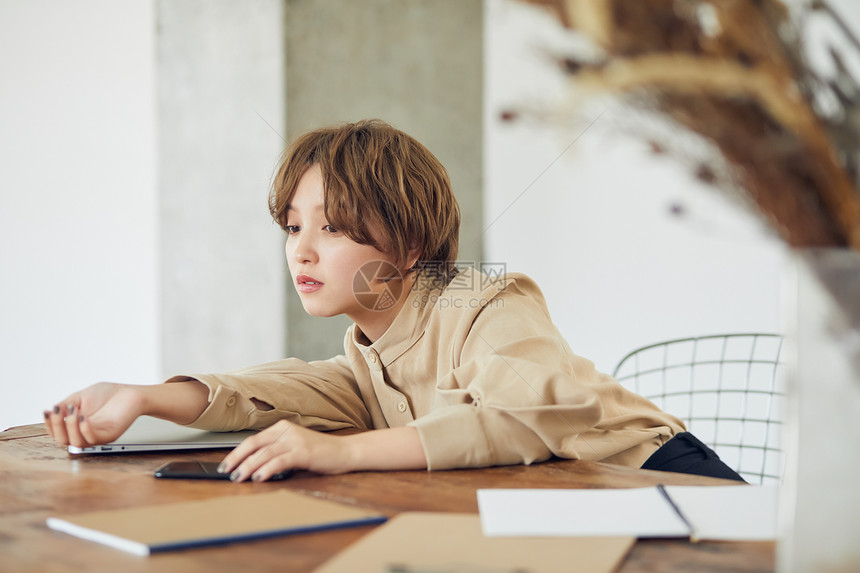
point(374, 323)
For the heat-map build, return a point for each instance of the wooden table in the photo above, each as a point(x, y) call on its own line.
point(39, 479)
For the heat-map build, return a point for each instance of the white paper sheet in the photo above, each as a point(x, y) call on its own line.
point(717, 512)
point(740, 513)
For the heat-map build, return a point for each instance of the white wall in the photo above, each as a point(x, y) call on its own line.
point(138, 141)
point(78, 295)
point(593, 226)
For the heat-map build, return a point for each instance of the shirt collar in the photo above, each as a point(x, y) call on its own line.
point(410, 323)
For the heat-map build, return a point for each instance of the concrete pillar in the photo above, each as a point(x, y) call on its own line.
point(220, 130)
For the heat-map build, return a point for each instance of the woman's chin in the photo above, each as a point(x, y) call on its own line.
point(314, 310)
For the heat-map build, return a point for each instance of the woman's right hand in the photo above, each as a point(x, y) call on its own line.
point(96, 415)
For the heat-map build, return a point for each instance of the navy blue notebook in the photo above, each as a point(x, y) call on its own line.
point(150, 529)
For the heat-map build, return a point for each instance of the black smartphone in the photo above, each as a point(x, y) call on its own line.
point(201, 470)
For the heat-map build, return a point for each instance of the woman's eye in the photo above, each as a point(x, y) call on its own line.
point(330, 229)
point(292, 229)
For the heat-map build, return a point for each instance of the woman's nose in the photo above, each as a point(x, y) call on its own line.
point(300, 248)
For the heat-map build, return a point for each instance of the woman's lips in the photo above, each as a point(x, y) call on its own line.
point(305, 283)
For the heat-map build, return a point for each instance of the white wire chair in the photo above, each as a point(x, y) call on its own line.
point(727, 389)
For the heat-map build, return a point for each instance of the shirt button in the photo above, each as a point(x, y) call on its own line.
point(372, 357)
point(401, 406)
point(231, 401)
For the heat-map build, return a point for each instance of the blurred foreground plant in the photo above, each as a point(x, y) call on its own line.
point(734, 72)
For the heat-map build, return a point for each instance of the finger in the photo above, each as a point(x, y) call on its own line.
point(246, 448)
point(253, 463)
point(252, 445)
point(58, 426)
point(272, 467)
point(272, 443)
point(48, 426)
point(73, 429)
point(86, 430)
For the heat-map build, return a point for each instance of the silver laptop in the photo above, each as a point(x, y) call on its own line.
point(148, 434)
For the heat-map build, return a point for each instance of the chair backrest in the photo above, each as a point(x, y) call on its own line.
point(726, 388)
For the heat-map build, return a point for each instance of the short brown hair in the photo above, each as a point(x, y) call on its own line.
point(381, 188)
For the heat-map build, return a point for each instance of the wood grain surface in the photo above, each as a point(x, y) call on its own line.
point(39, 479)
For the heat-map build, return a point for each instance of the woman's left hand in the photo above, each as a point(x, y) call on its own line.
point(284, 446)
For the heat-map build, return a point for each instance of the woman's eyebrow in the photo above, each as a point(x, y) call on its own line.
point(315, 208)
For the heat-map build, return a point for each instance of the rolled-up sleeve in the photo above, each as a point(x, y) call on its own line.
point(321, 395)
point(509, 410)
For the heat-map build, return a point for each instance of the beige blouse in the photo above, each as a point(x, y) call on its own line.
point(477, 366)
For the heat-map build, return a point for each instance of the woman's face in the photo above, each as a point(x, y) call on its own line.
point(332, 273)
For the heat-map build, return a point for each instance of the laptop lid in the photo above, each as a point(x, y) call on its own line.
point(148, 434)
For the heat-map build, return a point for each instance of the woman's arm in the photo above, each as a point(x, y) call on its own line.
point(102, 412)
point(322, 395)
point(286, 446)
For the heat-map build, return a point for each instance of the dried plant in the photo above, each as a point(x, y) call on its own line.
point(733, 72)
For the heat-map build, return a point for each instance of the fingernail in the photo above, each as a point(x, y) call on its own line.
point(56, 409)
point(47, 414)
point(236, 476)
point(222, 468)
point(256, 478)
point(71, 408)
point(80, 418)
